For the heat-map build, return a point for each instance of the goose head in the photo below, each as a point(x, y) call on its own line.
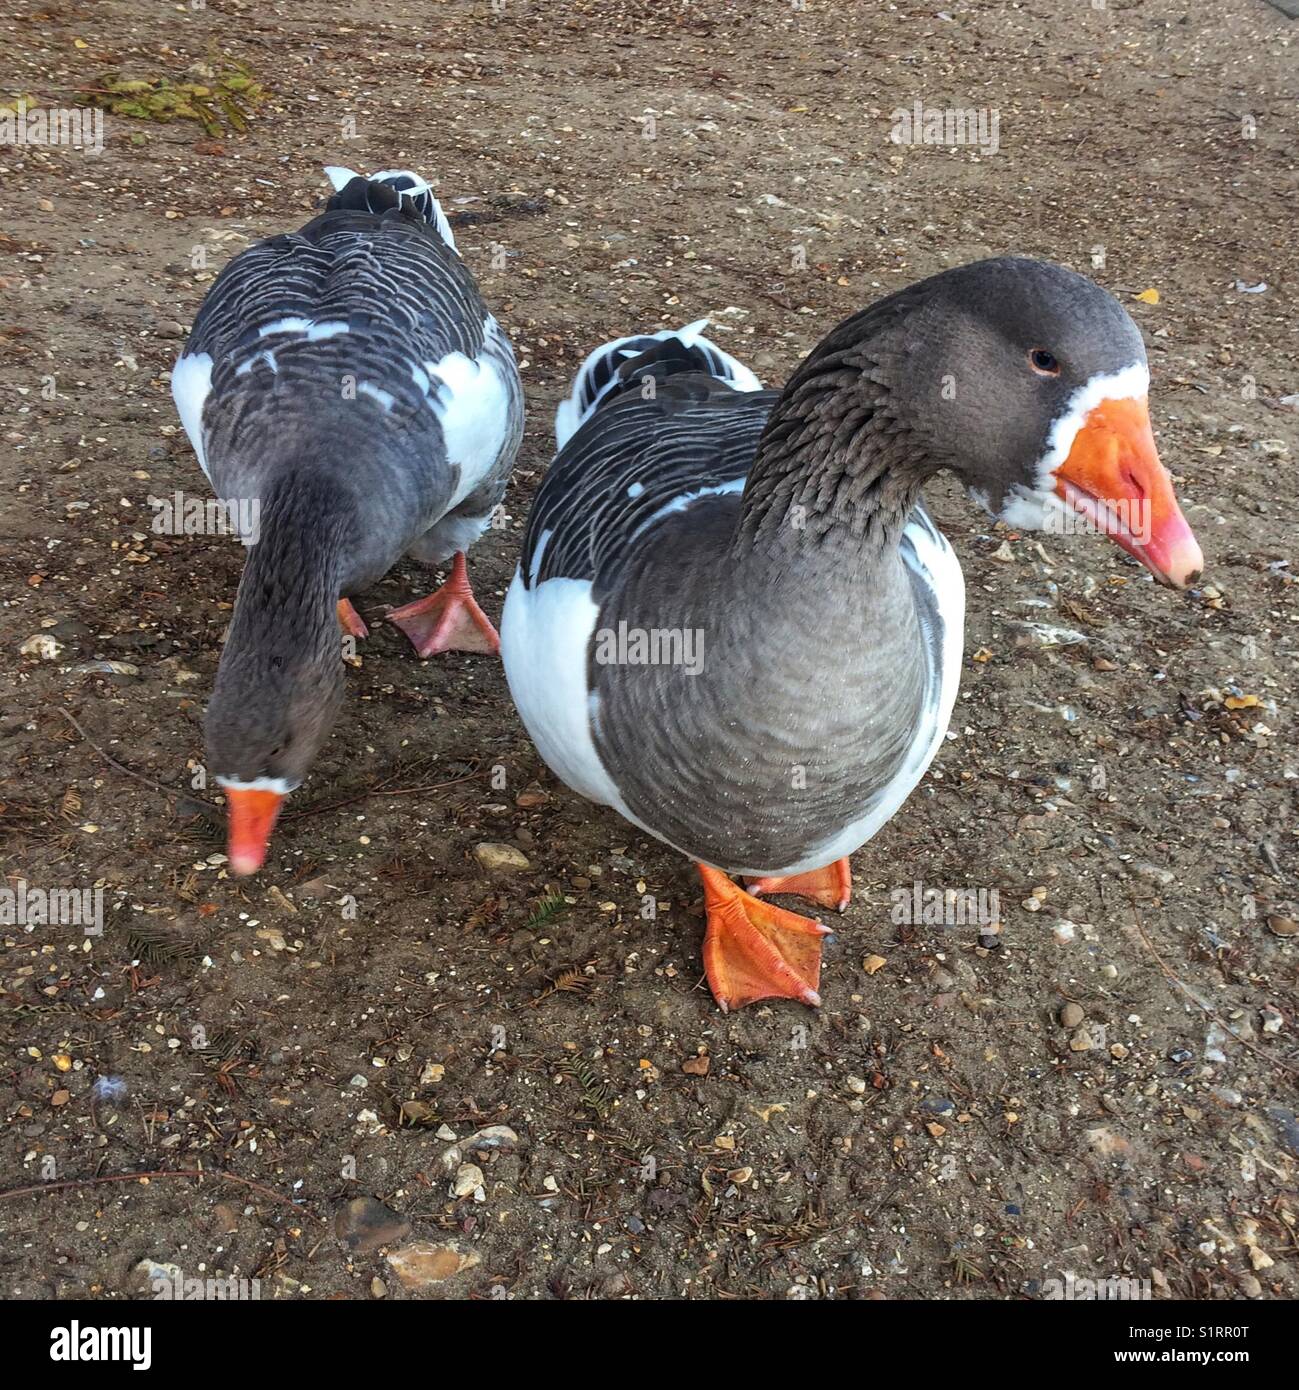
point(272, 708)
point(1037, 384)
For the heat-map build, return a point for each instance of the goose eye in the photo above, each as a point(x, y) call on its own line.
point(1043, 362)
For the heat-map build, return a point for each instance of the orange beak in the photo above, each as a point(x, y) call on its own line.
point(251, 815)
point(1114, 478)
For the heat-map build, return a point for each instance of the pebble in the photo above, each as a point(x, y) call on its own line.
point(501, 859)
point(424, 1263)
point(1072, 1015)
point(364, 1225)
point(1082, 1041)
point(42, 645)
point(1105, 1142)
point(1287, 1126)
point(469, 1182)
point(493, 1137)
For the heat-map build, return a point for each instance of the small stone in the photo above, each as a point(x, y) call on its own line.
point(423, 1263)
point(275, 939)
point(696, 1066)
point(468, 1181)
point(935, 1129)
point(1072, 1015)
point(1119, 1052)
point(225, 1218)
point(42, 646)
point(1105, 1142)
point(873, 963)
point(1082, 1041)
point(378, 1289)
point(364, 1224)
point(433, 1073)
point(501, 859)
point(856, 1085)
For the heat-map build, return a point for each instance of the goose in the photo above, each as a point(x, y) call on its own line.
point(733, 620)
point(350, 399)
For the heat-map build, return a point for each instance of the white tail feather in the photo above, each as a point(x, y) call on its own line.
point(409, 185)
point(585, 396)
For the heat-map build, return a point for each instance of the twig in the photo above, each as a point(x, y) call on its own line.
point(378, 791)
point(161, 1173)
point(206, 807)
point(1221, 1022)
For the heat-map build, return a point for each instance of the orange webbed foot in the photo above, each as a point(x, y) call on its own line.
point(350, 620)
point(830, 886)
point(448, 620)
point(755, 950)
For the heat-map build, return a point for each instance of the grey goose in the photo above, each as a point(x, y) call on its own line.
point(348, 386)
point(734, 621)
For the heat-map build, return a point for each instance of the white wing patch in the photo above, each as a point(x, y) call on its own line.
point(191, 383)
point(545, 632)
point(471, 399)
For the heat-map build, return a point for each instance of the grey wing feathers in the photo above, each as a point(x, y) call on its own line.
point(633, 461)
point(382, 273)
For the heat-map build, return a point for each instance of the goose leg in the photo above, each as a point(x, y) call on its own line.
point(350, 620)
point(754, 950)
point(448, 620)
point(830, 886)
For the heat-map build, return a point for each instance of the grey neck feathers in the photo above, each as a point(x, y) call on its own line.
point(287, 606)
point(839, 464)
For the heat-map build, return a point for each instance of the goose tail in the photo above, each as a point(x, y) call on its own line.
point(662, 354)
point(403, 183)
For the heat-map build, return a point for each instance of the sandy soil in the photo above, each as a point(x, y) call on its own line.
point(321, 1030)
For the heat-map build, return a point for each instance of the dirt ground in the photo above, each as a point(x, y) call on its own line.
point(1121, 767)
